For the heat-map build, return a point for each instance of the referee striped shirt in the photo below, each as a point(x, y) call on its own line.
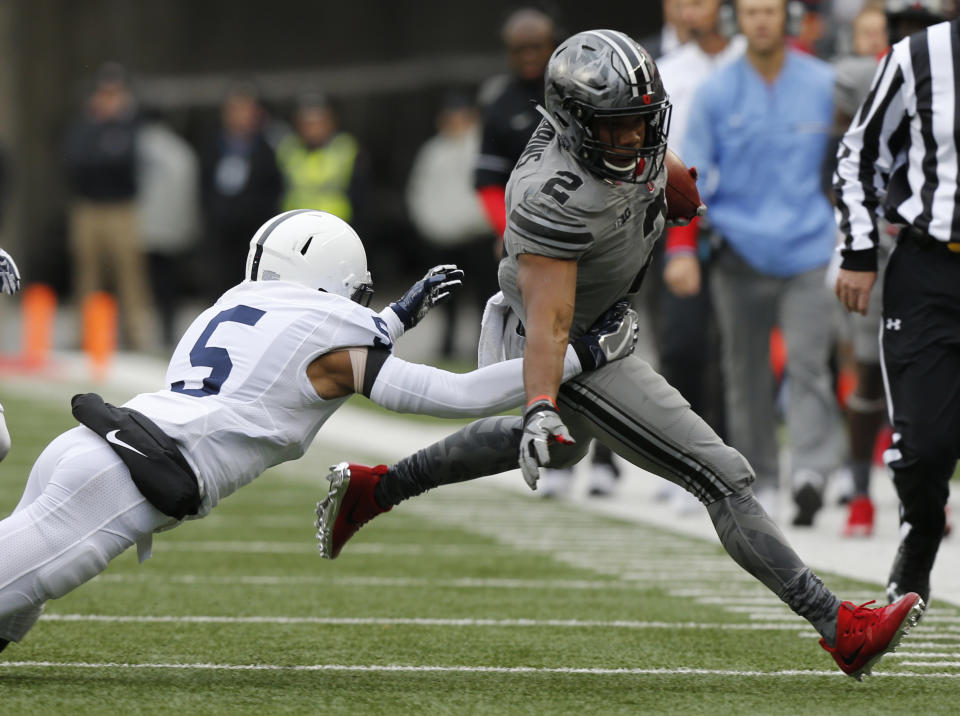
point(900, 153)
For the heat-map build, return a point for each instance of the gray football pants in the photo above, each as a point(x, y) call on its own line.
point(79, 510)
point(634, 411)
point(748, 305)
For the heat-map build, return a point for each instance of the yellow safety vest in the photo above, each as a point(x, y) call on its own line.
point(318, 178)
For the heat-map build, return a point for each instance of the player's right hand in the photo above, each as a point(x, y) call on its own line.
point(541, 424)
point(9, 275)
point(612, 336)
point(426, 293)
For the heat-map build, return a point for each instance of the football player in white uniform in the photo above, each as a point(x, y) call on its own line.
point(249, 385)
point(9, 284)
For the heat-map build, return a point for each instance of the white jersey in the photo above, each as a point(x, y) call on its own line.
point(238, 399)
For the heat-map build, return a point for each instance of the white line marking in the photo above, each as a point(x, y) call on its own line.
point(272, 580)
point(952, 664)
point(679, 671)
point(417, 621)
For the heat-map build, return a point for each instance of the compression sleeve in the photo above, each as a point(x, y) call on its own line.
point(415, 388)
point(493, 200)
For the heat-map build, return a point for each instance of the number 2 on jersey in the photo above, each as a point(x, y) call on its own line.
point(565, 180)
point(214, 357)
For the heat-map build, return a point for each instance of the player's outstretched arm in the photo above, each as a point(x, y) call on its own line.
point(414, 388)
point(9, 275)
point(408, 310)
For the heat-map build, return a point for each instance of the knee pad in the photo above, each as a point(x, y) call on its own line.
point(70, 570)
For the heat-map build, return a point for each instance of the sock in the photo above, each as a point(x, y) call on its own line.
point(484, 447)
point(861, 478)
point(757, 544)
point(809, 597)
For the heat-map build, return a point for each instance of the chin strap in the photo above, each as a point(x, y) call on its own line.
point(552, 122)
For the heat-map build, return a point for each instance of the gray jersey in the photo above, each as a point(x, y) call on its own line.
point(556, 208)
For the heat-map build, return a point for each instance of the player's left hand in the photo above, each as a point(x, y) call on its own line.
point(685, 221)
point(426, 293)
point(9, 275)
point(613, 336)
point(541, 424)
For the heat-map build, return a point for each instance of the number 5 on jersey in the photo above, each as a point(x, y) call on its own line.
point(215, 357)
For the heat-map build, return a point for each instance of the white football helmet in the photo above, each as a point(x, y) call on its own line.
point(314, 249)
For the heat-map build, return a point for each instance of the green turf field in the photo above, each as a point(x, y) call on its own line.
point(474, 600)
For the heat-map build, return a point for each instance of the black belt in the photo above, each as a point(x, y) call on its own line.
point(913, 235)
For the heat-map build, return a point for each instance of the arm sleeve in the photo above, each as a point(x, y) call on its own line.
point(864, 161)
point(682, 239)
point(415, 388)
point(493, 201)
point(393, 323)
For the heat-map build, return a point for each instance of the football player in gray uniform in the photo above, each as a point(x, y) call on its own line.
point(585, 204)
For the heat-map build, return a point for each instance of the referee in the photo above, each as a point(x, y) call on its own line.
point(899, 156)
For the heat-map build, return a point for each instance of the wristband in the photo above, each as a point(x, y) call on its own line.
point(539, 398)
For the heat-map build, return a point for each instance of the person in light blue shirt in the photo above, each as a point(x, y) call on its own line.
point(758, 133)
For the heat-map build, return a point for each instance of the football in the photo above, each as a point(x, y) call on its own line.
point(682, 195)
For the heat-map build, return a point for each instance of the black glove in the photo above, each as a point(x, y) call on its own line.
point(426, 293)
point(541, 424)
point(613, 335)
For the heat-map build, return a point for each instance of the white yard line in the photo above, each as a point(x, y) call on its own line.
point(796, 625)
point(356, 581)
point(402, 668)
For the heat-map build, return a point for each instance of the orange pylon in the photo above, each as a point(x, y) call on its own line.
point(99, 331)
point(38, 308)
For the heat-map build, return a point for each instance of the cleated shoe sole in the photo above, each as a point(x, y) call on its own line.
point(329, 507)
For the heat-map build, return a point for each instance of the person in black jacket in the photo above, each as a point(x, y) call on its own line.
point(241, 186)
point(101, 163)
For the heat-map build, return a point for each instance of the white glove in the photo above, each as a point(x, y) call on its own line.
point(541, 424)
point(9, 275)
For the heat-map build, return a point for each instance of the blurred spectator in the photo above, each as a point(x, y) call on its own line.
point(101, 161)
point(672, 35)
point(169, 212)
point(841, 15)
point(808, 28)
point(323, 166)
point(510, 117)
point(240, 186)
point(865, 406)
point(688, 335)
point(445, 210)
point(758, 131)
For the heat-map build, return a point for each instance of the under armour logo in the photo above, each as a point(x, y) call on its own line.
point(893, 324)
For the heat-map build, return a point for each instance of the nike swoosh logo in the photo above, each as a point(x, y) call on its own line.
point(853, 657)
point(112, 438)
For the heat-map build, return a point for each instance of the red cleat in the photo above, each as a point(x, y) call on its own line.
point(864, 635)
point(859, 517)
point(348, 506)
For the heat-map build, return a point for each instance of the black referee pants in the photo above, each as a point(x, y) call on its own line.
point(920, 340)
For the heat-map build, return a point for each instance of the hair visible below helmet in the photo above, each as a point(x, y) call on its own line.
point(603, 74)
point(314, 249)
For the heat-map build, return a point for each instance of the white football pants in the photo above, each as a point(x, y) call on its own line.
point(79, 510)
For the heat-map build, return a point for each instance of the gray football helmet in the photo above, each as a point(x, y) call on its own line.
point(596, 79)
